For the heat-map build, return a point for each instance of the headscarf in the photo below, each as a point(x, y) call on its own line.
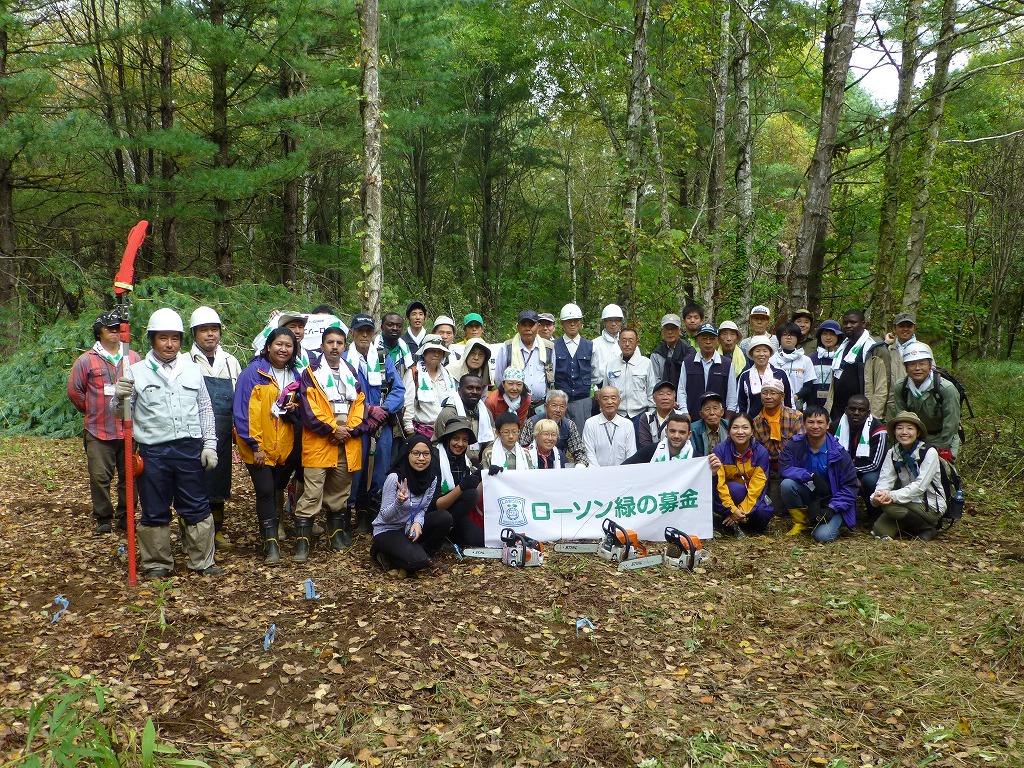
point(419, 482)
point(457, 462)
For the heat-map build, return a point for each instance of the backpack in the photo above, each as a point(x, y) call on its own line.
point(952, 489)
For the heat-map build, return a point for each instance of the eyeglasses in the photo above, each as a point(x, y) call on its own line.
point(420, 454)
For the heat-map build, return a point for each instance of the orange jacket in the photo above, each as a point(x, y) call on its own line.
point(255, 426)
point(495, 403)
point(318, 423)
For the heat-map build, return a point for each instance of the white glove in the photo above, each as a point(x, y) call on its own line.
point(124, 388)
point(209, 458)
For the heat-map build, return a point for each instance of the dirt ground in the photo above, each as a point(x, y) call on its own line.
point(781, 652)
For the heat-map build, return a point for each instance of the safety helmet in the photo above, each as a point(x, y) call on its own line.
point(570, 312)
point(165, 319)
point(204, 316)
point(917, 351)
point(612, 311)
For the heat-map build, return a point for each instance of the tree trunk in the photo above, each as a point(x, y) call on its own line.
point(744, 164)
point(570, 224)
point(716, 173)
point(810, 240)
point(8, 237)
point(221, 158)
point(369, 109)
point(882, 301)
point(633, 181)
point(168, 168)
point(665, 223)
point(290, 194)
point(922, 180)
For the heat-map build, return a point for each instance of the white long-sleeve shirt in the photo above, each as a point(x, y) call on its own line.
point(608, 442)
point(635, 381)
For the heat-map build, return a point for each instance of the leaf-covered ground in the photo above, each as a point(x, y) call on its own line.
point(780, 653)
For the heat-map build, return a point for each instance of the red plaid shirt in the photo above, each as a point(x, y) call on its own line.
point(90, 374)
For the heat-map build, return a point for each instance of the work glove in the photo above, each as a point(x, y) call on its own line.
point(827, 513)
point(124, 388)
point(470, 482)
point(209, 458)
point(494, 469)
point(819, 484)
point(375, 416)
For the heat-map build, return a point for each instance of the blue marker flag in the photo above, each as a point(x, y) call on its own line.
point(584, 622)
point(270, 637)
point(311, 590)
point(63, 603)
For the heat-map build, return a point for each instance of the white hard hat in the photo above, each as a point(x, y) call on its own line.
point(570, 312)
point(204, 316)
point(917, 351)
point(165, 319)
point(612, 311)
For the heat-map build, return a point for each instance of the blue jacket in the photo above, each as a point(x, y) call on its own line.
point(842, 475)
point(395, 400)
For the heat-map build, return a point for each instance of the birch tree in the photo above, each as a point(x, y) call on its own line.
point(369, 109)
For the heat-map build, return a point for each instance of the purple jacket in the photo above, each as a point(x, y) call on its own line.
point(842, 475)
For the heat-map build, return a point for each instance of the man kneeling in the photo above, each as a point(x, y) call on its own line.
point(819, 481)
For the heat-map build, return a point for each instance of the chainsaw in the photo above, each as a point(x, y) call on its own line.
point(684, 551)
point(518, 550)
point(618, 546)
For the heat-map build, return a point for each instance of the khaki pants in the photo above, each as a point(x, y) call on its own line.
point(912, 517)
point(325, 487)
point(155, 546)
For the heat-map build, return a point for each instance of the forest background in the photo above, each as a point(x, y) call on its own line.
point(488, 156)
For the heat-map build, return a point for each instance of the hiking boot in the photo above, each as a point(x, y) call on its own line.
point(158, 573)
point(211, 570)
point(435, 568)
point(222, 542)
point(927, 534)
point(102, 527)
point(303, 532)
point(121, 525)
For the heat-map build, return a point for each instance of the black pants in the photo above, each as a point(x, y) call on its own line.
point(415, 555)
point(265, 482)
point(465, 532)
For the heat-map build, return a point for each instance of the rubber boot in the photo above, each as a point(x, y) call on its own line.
point(279, 506)
point(271, 550)
point(363, 523)
point(303, 536)
point(220, 539)
point(337, 531)
point(799, 516)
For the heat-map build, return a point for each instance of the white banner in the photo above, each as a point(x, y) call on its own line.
point(568, 504)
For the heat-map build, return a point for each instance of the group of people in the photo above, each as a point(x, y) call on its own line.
point(388, 430)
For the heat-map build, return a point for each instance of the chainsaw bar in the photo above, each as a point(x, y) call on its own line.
point(640, 562)
point(488, 553)
point(577, 548)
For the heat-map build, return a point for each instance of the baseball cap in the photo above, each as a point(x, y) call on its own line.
point(709, 395)
point(443, 320)
point(527, 316)
point(361, 320)
point(664, 383)
point(728, 325)
point(904, 317)
point(546, 317)
point(472, 317)
point(761, 309)
point(671, 320)
point(708, 328)
point(415, 305)
point(290, 317)
point(802, 312)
